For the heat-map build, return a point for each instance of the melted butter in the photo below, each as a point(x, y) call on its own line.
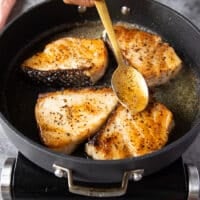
point(180, 95)
point(84, 30)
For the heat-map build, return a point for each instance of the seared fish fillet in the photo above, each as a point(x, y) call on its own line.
point(155, 59)
point(68, 62)
point(127, 136)
point(67, 118)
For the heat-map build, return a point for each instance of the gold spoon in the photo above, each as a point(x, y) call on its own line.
point(128, 84)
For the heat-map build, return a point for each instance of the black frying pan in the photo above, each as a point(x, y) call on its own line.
point(18, 95)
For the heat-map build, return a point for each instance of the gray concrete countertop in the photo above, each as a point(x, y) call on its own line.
point(189, 8)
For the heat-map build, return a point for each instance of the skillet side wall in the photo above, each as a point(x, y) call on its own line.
point(181, 34)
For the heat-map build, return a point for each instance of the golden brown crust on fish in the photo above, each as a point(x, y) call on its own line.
point(67, 118)
point(155, 59)
point(126, 136)
point(68, 60)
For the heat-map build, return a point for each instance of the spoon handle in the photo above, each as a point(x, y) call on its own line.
point(106, 20)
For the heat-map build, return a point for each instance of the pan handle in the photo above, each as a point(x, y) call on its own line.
point(135, 175)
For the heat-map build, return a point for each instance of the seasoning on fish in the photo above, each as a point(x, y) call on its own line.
point(125, 135)
point(155, 59)
point(67, 118)
point(68, 62)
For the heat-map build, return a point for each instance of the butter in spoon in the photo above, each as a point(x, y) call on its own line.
point(128, 84)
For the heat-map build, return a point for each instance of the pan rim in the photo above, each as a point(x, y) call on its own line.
point(102, 162)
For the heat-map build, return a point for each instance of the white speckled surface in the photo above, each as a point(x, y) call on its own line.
point(189, 8)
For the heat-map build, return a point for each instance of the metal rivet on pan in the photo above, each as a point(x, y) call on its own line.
point(82, 9)
point(59, 173)
point(137, 175)
point(125, 10)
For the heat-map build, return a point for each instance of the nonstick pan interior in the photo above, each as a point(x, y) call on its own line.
point(180, 94)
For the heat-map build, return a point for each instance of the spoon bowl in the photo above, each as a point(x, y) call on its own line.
point(130, 88)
